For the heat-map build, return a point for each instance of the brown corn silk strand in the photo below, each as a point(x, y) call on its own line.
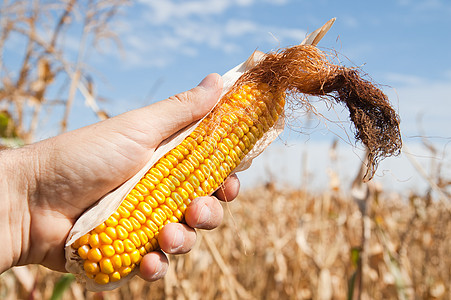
point(304, 69)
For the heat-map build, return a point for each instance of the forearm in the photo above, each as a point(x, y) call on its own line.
point(14, 212)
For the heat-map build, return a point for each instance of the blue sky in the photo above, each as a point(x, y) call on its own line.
point(169, 46)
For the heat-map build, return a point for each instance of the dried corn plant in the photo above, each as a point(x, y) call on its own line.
point(39, 69)
point(292, 244)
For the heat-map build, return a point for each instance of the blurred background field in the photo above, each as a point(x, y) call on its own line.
point(291, 244)
point(303, 226)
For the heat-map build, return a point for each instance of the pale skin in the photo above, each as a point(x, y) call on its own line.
point(46, 186)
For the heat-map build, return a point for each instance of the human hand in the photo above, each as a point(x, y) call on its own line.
point(48, 185)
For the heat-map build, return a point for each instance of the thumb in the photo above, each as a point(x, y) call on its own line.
point(164, 118)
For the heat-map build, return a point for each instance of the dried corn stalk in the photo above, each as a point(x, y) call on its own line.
point(108, 242)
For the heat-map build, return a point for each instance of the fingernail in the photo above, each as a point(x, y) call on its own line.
point(158, 274)
point(204, 215)
point(209, 81)
point(178, 240)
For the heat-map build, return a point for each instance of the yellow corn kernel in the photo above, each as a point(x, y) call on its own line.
point(164, 169)
point(134, 238)
point(84, 240)
point(135, 256)
point(116, 260)
point(116, 276)
point(91, 267)
point(147, 183)
point(107, 250)
point(137, 194)
point(148, 232)
point(153, 203)
point(194, 181)
point(158, 195)
point(83, 251)
point(123, 212)
point(145, 208)
point(142, 251)
point(124, 271)
point(164, 189)
point(136, 225)
point(111, 221)
point(188, 187)
point(173, 219)
point(184, 148)
point(183, 169)
point(198, 156)
point(172, 159)
point(102, 278)
point(177, 198)
point(139, 216)
point(75, 245)
point(126, 224)
point(156, 218)
point(118, 246)
point(129, 246)
point(198, 174)
point(106, 266)
point(181, 192)
point(125, 258)
point(170, 183)
point(206, 186)
point(105, 239)
point(142, 189)
point(142, 235)
point(100, 228)
point(191, 162)
point(94, 240)
point(152, 179)
point(178, 175)
point(167, 212)
point(171, 204)
point(157, 173)
point(121, 232)
point(154, 243)
point(127, 205)
point(189, 165)
point(151, 225)
point(111, 232)
point(148, 246)
point(178, 214)
point(94, 255)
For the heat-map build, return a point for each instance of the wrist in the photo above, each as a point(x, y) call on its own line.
point(15, 166)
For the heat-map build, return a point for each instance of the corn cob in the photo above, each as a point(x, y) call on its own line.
point(220, 142)
point(194, 168)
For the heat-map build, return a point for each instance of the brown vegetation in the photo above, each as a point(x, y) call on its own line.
point(49, 74)
point(290, 244)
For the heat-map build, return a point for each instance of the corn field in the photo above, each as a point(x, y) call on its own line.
point(290, 244)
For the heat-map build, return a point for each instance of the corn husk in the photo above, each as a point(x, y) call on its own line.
point(101, 210)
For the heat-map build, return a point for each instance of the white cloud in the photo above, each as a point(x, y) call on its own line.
point(163, 30)
point(166, 11)
point(236, 28)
